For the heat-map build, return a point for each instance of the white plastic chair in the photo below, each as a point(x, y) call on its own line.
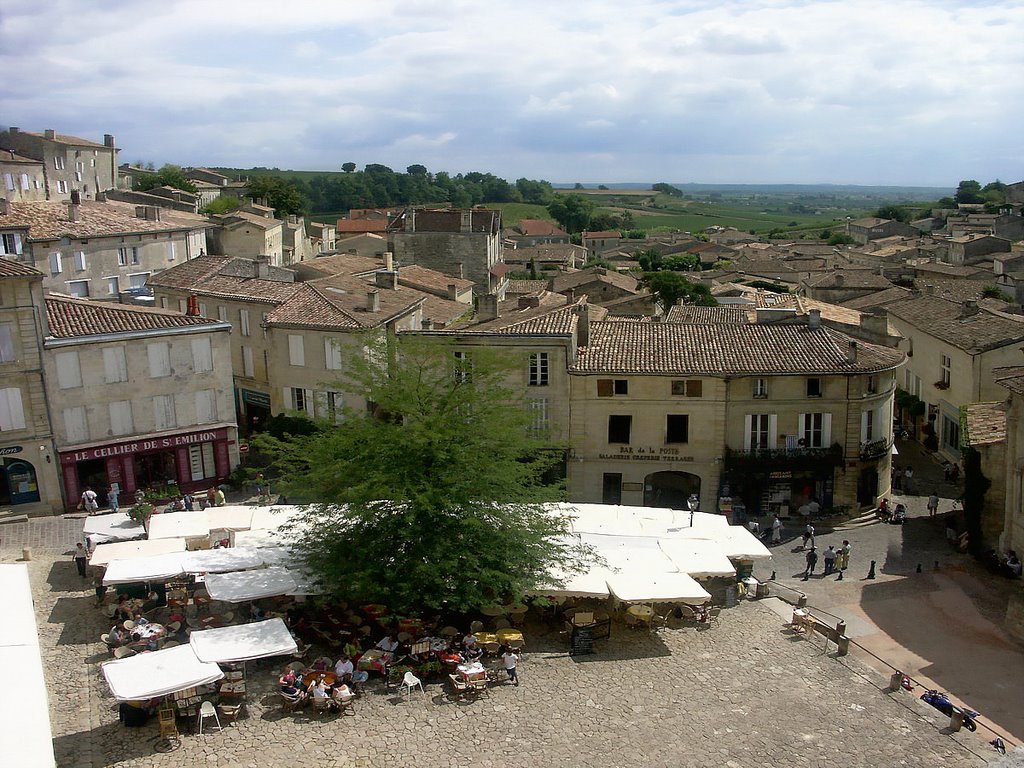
point(410, 681)
point(208, 710)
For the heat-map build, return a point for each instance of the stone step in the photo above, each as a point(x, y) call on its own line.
point(13, 519)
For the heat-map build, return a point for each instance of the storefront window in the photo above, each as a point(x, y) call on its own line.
point(155, 469)
point(201, 462)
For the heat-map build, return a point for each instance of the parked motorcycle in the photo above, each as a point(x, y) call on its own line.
point(899, 431)
point(942, 703)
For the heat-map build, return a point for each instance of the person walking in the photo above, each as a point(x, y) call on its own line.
point(89, 503)
point(812, 560)
point(933, 504)
point(908, 480)
point(809, 536)
point(777, 530)
point(844, 553)
point(897, 479)
point(830, 560)
point(112, 501)
point(81, 557)
point(511, 661)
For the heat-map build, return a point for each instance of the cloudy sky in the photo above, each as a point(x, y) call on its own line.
point(754, 91)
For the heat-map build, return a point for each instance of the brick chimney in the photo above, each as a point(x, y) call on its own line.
point(108, 140)
point(969, 308)
point(851, 352)
point(583, 325)
point(386, 279)
point(373, 301)
point(487, 307)
point(814, 319)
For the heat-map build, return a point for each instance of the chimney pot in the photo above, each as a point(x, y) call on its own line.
point(373, 301)
point(814, 319)
point(49, 133)
point(108, 140)
point(583, 325)
point(389, 261)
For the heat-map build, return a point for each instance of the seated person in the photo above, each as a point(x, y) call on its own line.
point(473, 652)
point(389, 644)
point(344, 669)
point(123, 611)
point(256, 613)
point(1013, 564)
point(290, 685)
point(352, 649)
point(468, 640)
point(341, 694)
point(318, 690)
point(117, 635)
point(319, 665)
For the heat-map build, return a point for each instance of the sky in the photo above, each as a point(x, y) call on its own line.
point(900, 92)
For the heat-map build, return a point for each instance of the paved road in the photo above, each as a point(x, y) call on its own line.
point(744, 693)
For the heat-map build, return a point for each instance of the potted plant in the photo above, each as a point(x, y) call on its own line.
point(141, 513)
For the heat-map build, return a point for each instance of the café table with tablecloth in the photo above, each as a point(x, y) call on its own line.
point(150, 630)
point(510, 635)
point(472, 671)
point(328, 678)
point(375, 660)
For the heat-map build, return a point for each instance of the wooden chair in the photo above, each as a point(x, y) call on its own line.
point(346, 703)
point(291, 703)
point(168, 724)
point(322, 705)
point(231, 711)
point(479, 686)
point(714, 616)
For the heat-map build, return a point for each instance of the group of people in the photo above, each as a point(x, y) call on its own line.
point(1007, 565)
point(903, 479)
point(333, 695)
point(835, 560)
point(90, 502)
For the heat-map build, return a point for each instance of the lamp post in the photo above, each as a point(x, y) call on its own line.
point(693, 503)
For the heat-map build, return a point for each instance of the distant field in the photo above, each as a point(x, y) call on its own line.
point(513, 213)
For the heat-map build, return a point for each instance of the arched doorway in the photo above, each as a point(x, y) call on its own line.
point(670, 489)
point(18, 484)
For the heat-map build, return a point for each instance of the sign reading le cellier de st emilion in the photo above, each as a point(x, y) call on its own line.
point(649, 453)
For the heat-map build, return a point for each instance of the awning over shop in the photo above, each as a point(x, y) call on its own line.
point(188, 525)
point(149, 675)
point(151, 568)
point(250, 585)
point(222, 560)
point(129, 550)
point(257, 640)
point(229, 518)
point(100, 529)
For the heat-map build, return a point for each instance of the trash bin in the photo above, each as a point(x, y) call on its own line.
point(752, 585)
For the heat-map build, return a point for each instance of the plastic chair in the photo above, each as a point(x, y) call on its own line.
point(174, 627)
point(322, 704)
point(208, 710)
point(105, 637)
point(410, 681)
point(124, 652)
point(128, 624)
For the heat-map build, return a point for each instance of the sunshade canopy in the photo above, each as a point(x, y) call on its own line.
point(100, 529)
point(189, 525)
point(250, 585)
point(221, 560)
point(129, 550)
point(257, 640)
point(149, 675)
point(152, 568)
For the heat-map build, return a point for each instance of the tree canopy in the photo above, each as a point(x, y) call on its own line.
point(667, 189)
point(572, 212)
point(280, 194)
point(669, 288)
point(436, 500)
point(168, 175)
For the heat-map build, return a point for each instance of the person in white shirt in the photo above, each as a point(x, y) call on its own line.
point(511, 659)
point(777, 530)
point(388, 644)
point(89, 503)
point(344, 669)
point(469, 640)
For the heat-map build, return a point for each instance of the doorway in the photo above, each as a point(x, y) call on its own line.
point(93, 474)
point(18, 484)
point(670, 489)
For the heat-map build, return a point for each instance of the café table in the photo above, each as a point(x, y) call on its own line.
point(508, 635)
point(375, 610)
point(328, 678)
point(150, 630)
point(375, 660)
point(483, 638)
point(472, 671)
point(437, 644)
point(517, 609)
point(494, 610)
point(641, 611)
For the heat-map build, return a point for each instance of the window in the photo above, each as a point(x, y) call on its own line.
point(121, 417)
point(79, 288)
point(25, 184)
point(58, 162)
point(122, 257)
point(611, 488)
point(202, 355)
point(201, 462)
point(332, 355)
point(248, 369)
point(330, 405)
point(611, 387)
point(946, 363)
point(115, 365)
point(206, 406)
point(538, 407)
point(202, 309)
point(760, 432)
point(871, 385)
point(760, 388)
point(539, 369)
point(222, 314)
point(75, 424)
point(10, 244)
point(113, 286)
point(138, 280)
point(688, 387)
point(815, 430)
point(170, 250)
point(135, 255)
point(618, 428)
point(183, 305)
point(868, 426)
point(950, 433)
point(298, 399)
point(78, 175)
point(163, 302)
point(69, 372)
point(296, 350)
point(62, 186)
point(159, 359)
point(243, 321)
point(55, 266)
point(163, 412)
point(463, 368)
point(814, 387)
point(7, 343)
point(677, 428)
point(12, 415)
point(9, 181)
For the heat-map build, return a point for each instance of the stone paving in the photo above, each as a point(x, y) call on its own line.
point(743, 693)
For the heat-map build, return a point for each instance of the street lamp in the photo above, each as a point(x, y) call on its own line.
point(693, 503)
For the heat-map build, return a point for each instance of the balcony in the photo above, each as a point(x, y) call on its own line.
point(874, 449)
point(765, 460)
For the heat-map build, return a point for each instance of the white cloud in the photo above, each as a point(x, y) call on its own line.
point(921, 91)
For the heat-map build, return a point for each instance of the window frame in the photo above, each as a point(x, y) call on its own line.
point(540, 369)
point(620, 425)
point(677, 428)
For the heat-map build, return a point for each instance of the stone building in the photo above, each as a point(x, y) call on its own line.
point(249, 233)
point(140, 397)
point(865, 230)
point(98, 249)
point(70, 164)
point(23, 178)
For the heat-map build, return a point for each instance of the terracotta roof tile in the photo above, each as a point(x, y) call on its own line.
point(724, 349)
point(425, 279)
point(567, 280)
point(539, 228)
point(310, 307)
point(948, 321)
point(340, 264)
point(692, 313)
point(1011, 377)
point(69, 317)
point(16, 269)
point(350, 294)
point(48, 220)
point(985, 422)
point(344, 226)
point(520, 287)
point(189, 273)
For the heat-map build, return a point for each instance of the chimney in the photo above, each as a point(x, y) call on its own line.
point(851, 352)
point(427, 324)
point(814, 319)
point(386, 279)
point(389, 261)
point(487, 307)
point(50, 134)
point(192, 307)
point(583, 325)
point(108, 140)
point(840, 279)
point(570, 295)
point(263, 267)
point(373, 301)
point(453, 292)
point(74, 209)
point(929, 290)
point(969, 308)
point(458, 268)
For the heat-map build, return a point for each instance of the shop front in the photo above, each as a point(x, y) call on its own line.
point(254, 409)
point(189, 460)
point(766, 483)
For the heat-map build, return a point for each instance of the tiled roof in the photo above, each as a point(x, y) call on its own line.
point(945, 320)
point(547, 252)
point(539, 228)
point(567, 280)
point(606, 235)
point(483, 220)
point(69, 317)
point(243, 218)
point(511, 314)
point(869, 223)
point(952, 270)
point(340, 264)
point(350, 294)
point(952, 289)
point(1011, 377)
point(48, 220)
point(691, 313)
point(16, 269)
point(851, 278)
point(211, 276)
point(308, 306)
point(717, 350)
point(245, 289)
point(344, 226)
point(63, 138)
point(189, 273)
point(879, 298)
point(521, 287)
point(10, 156)
point(986, 423)
point(416, 276)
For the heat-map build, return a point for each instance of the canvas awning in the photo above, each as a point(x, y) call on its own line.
point(257, 640)
point(129, 550)
point(187, 525)
point(642, 572)
point(250, 585)
point(151, 568)
point(229, 518)
point(149, 675)
point(100, 529)
point(222, 560)
point(699, 558)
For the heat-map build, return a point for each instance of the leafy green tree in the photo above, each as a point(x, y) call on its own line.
point(416, 170)
point(682, 262)
point(572, 212)
point(667, 189)
point(968, 191)
point(537, 192)
point(577, 185)
point(222, 204)
point(649, 259)
point(893, 212)
point(669, 288)
point(839, 238)
point(168, 176)
point(281, 195)
point(436, 502)
point(348, 167)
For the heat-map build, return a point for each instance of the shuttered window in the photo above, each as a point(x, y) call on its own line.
point(159, 359)
point(115, 366)
point(69, 372)
point(121, 417)
point(12, 414)
point(202, 355)
point(75, 424)
point(163, 412)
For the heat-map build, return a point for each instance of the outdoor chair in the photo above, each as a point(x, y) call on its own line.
point(124, 652)
point(231, 711)
point(208, 710)
point(109, 611)
point(128, 624)
point(461, 687)
point(321, 705)
point(346, 703)
point(296, 667)
point(714, 616)
point(517, 645)
point(174, 627)
point(492, 648)
point(410, 681)
point(291, 703)
point(632, 622)
point(105, 637)
point(479, 685)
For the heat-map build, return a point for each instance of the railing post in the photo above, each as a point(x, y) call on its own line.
point(896, 681)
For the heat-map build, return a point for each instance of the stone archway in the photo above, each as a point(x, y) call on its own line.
point(670, 489)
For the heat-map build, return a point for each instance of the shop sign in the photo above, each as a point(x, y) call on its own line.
point(141, 446)
point(648, 453)
point(10, 449)
point(253, 397)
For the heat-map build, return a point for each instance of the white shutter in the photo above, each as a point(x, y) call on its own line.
point(287, 398)
point(243, 321)
point(6, 343)
point(121, 417)
point(55, 265)
point(332, 355)
point(248, 369)
point(320, 409)
point(115, 366)
point(159, 359)
point(195, 462)
point(222, 314)
point(826, 430)
point(163, 412)
point(748, 425)
point(309, 401)
point(773, 431)
point(12, 414)
point(79, 257)
point(75, 424)
point(183, 305)
point(202, 355)
point(296, 350)
point(206, 406)
point(69, 372)
point(801, 429)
